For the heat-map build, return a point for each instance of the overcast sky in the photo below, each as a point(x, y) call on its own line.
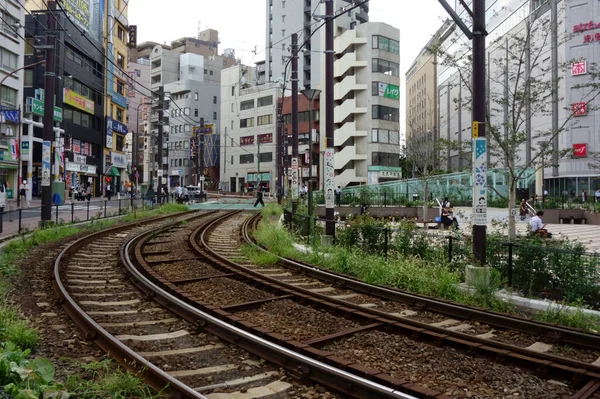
point(241, 24)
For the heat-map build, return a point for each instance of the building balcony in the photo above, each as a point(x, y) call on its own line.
point(347, 39)
point(348, 131)
point(342, 88)
point(348, 61)
point(348, 176)
point(348, 107)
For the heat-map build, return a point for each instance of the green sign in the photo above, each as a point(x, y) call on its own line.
point(36, 107)
point(389, 91)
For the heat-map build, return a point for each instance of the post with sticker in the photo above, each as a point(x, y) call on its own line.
point(479, 181)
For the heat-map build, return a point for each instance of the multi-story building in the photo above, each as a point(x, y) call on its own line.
point(115, 157)
point(79, 93)
point(367, 105)
point(576, 33)
point(138, 117)
point(289, 16)
point(248, 120)
point(421, 101)
point(11, 91)
point(194, 102)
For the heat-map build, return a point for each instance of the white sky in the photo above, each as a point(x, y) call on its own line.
point(241, 25)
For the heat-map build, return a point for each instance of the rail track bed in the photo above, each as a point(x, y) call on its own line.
point(421, 352)
point(175, 355)
point(409, 341)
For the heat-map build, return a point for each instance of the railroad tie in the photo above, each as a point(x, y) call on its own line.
point(182, 351)
point(488, 335)
point(405, 313)
point(238, 381)
point(152, 337)
point(445, 323)
point(203, 371)
point(539, 347)
point(258, 392)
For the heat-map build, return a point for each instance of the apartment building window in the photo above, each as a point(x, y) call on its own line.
point(264, 120)
point(205, 71)
point(386, 67)
point(77, 87)
point(8, 59)
point(385, 113)
point(196, 96)
point(186, 111)
point(214, 99)
point(232, 160)
point(384, 159)
point(196, 112)
point(265, 157)
point(28, 78)
point(283, 19)
point(9, 24)
point(210, 72)
point(119, 115)
point(29, 43)
point(214, 116)
point(246, 158)
point(138, 73)
point(120, 61)
point(386, 44)
point(283, 32)
point(264, 101)
point(248, 104)
point(121, 34)
point(385, 136)
point(120, 88)
point(233, 90)
point(120, 142)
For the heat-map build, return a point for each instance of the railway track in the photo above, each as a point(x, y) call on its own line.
point(227, 328)
point(175, 355)
point(553, 352)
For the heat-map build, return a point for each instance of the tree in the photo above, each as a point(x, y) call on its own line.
point(518, 122)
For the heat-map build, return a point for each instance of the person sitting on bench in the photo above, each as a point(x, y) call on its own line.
point(538, 227)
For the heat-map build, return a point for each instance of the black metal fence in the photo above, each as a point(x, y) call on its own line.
point(77, 211)
point(552, 269)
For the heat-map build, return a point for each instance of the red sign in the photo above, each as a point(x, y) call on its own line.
point(580, 150)
point(247, 140)
point(579, 109)
point(579, 68)
point(586, 26)
point(265, 138)
point(592, 38)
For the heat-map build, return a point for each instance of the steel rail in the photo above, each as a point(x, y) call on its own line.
point(152, 375)
point(502, 320)
point(578, 371)
point(175, 300)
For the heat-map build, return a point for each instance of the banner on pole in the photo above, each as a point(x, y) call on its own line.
point(295, 179)
point(480, 181)
point(46, 159)
point(329, 179)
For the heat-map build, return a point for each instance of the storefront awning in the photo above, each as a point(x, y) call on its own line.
point(114, 172)
point(7, 166)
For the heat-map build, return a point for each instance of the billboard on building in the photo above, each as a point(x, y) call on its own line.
point(86, 14)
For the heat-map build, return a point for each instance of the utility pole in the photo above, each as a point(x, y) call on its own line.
point(161, 106)
point(295, 174)
point(480, 143)
point(201, 156)
point(554, 55)
point(279, 152)
point(258, 176)
point(329, 126)
point(48, 119)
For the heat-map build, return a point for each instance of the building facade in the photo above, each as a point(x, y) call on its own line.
point(138, 117)
point(248, 131)
point(79, 97)
point(290, 16)
point(367, 105)
point(11, 90)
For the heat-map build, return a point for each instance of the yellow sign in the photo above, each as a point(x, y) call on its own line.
point(78, 101)
point(475, 130)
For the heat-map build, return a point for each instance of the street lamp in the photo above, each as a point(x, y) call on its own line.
point(310, 95)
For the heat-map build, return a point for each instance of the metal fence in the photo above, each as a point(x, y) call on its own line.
point(550, 269)
point(75, 212)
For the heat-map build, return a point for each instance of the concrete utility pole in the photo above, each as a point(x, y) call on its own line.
point(480, 153)
point(554, 55)
point(48, 119)
point(329, 126)
point(201, 156)
point(161, 106)
point(295, 174)
point(279, 151)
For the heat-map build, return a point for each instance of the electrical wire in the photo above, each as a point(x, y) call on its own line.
point(12, 27)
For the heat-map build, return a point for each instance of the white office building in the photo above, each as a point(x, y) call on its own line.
point(11, 91)
point(285, 17)
point(367, 105)
point(248, 130)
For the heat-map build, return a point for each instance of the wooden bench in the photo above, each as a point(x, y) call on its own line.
point(572, 216)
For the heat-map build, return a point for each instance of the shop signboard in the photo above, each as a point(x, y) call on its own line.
point(389, 91)
point(46, 159)
point(118, 160)
point(81, 168)
point(78, 101)
point(109, 132)
point(580, 150)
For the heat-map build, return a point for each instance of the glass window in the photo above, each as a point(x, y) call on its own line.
point(119, 115)
point(264, 120)
point(264, 101)
point(385, 113)
point(248, 122)
point(9, 24)
point(68, 114)
point(85, 120)
point(214, 116)
point(28, 80)
point(29, 43)
point(386, 67)
point(9, 59)
point(196, 96)
point(374, 136)
point(214, 99)
point(384, 135)
point(248, 104)
point(196, 112)
point(266, 157)
point(77, 117)
point(120, 61)
point(246, 158)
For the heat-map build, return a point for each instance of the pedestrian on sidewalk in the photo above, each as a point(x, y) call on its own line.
point(338, 195)
point(259, 198)
point(23, 192)
point(150, 195)
point(597, 195)
point(108, 191)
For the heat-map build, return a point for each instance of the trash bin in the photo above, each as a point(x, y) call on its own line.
point(9, 193)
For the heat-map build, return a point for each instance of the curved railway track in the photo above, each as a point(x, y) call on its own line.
point(550, 350)
point(227, 328)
